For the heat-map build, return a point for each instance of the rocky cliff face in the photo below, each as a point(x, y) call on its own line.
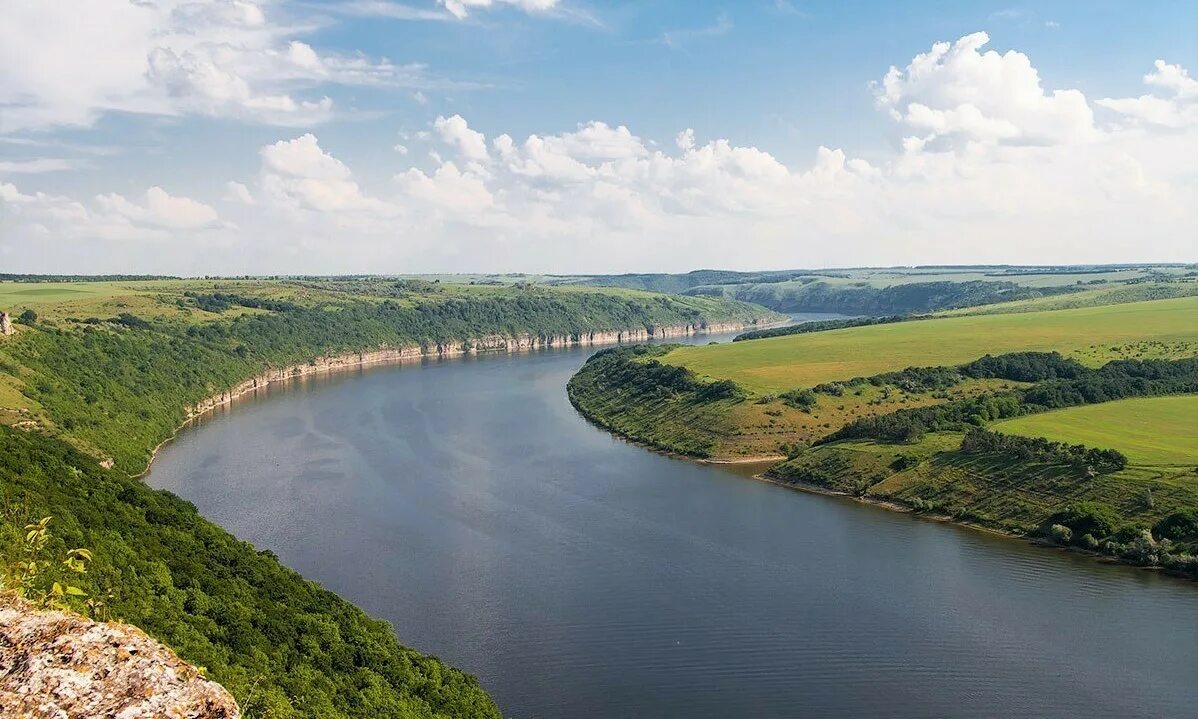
point(490, 343)
point(55, 665)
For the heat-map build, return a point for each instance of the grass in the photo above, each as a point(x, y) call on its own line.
point(1150, 431)
point(1094, 335)
point(994, 492)
point(1110, 295)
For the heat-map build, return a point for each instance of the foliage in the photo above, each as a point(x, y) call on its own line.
point(33, 574)
point(1125, 378)
point(1179, 526)
point(1093, 518)
point(817, 326)
point(220, 301)
point(804, 399)
point(282, 645)
point(627, 388)
point(1015, 366)
point(118, 387)
point(1162, 329)
point(1038, 449)
point(898, 299)
point(121, 387)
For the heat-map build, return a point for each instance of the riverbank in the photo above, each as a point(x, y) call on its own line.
point(474, 469)
point(482, 345)
point(101, 384)
point(495, 344)
point(902, 508)
point(899, 438)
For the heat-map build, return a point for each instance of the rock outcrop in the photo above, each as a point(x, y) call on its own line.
point(490, 343)
point(5, 324)
point(55, 665)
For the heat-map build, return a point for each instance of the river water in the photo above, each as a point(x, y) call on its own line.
point(579, 576)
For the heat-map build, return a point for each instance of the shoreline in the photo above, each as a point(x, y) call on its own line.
point(383, 356)
point(900, 508)
point(885, 504)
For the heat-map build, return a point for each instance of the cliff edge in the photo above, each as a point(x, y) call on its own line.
point(62, 666)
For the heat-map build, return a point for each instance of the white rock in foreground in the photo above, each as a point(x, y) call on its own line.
point(55, 665)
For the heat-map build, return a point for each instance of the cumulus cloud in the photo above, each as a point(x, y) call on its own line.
point(456, 132)
point(48, 218)
point(1178, 109)
point(300, 174)
point(992, 167)
point(955, 91)
point(159, 209)
point(66, 64)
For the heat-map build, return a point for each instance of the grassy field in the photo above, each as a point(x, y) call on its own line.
point(995, 492)
point(164, 299)
point(1150, 431)
point(1111, 295)
point(1093, 335)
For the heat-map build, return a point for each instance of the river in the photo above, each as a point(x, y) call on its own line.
point(582, 577)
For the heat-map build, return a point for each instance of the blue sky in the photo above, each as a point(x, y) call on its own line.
point(121, 133)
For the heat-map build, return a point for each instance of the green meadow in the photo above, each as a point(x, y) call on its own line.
point(1150, 430)
point(1092, 335)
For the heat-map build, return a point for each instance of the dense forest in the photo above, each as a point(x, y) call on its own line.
point(813, 295)
point(120, 384)
point(938, 458)
point(1059, 383)
point(116, 385)
point(282, 645)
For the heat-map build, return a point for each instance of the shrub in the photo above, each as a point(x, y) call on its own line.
point(1091, 518)
point(1061, 534)
point(803, 399)
point(1179, 526)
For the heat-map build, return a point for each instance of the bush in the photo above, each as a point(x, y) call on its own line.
point(1179, 526)
point(981, 441)
point(1092, 518)
point(1061, 534)
point(803, 399)
point(27, 317)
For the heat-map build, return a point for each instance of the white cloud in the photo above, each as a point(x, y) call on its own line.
point(676, 39)
point(1177, 111)
point(462, 8)
point(160, 209)
point(39, 165)
point(959, 93)
point(448, 188)
point(238, 192)
point(44, 226)
point(66, 64)
point(993, 167)
point(454, 131)
point(1173, 77)
point(390, 10)
point(301, 175)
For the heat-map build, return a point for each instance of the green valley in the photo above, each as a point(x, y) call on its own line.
point(98, 374)
point(1009, 420)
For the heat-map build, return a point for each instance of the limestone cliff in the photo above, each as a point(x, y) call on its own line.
point(55, 665)
point(490, 343)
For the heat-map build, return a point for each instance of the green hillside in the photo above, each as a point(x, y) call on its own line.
point(1094, 335)
point(103, 370)
point(1150, 431)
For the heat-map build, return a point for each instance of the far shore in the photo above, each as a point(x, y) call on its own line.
point(412, 354)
